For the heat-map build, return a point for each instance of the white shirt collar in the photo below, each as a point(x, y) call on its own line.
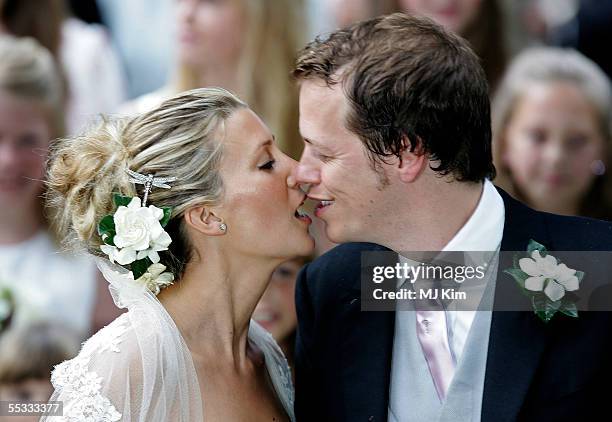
point(484, 229)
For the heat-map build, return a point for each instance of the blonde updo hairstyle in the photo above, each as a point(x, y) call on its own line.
point(180, 138)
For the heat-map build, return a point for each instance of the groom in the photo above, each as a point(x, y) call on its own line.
point(394, 113)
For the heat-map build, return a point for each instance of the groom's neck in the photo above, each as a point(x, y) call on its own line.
point(431, 217)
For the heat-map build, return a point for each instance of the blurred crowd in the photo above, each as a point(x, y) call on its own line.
point(64, 63)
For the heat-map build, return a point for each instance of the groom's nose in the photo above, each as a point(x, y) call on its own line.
point(306, 173)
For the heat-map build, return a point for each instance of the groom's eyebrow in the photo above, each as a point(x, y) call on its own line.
point(316, 144)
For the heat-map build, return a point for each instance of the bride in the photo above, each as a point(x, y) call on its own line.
point(188, 208)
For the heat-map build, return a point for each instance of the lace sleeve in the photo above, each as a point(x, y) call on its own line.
point(82, 386)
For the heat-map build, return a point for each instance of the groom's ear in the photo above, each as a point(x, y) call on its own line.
point(203, 219)
point(412, 160)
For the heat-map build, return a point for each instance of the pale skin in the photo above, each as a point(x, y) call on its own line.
point(404, 215)
point(213, 302)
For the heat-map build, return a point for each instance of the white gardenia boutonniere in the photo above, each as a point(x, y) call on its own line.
point(547, 281)
point(133, 237)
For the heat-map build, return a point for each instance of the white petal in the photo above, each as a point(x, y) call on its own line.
point(156, 230)
point(554, 291)
point(126, 256)
point(162, 242)
point(529, 266)
point(550, 260)
point(158, 213)
point(535, 284)
point(142, 254)
point(165, 279)
point(156, 269)
point(134, 203)
point(153, 256)
point(142, 243)
point(120, 242)
point(110, 251)
point(564, 273)
point(570, 284)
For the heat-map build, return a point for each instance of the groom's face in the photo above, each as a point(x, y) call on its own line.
point(349, 195)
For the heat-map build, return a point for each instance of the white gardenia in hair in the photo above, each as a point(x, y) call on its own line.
point(560, 277)
point(139, 234)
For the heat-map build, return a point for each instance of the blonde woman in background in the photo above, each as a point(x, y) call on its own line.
point(57, 286)
point(551, 128)
point(245, 46)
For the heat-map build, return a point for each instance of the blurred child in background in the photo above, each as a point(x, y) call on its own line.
point(551, 126)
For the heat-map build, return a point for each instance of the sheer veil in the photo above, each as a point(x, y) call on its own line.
point(139, 368)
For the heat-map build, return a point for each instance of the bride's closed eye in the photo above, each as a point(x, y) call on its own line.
point(268, 165)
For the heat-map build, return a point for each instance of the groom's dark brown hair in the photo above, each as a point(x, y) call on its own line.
point(408, 79)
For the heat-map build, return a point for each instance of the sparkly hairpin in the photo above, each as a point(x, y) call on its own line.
point(149, 181)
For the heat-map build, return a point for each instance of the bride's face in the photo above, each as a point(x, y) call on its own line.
point(260, 204)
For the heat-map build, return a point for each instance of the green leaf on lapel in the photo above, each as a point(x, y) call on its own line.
point(544, 307)
point(535, 246)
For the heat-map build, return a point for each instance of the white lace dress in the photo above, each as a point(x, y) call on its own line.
point(138, 368)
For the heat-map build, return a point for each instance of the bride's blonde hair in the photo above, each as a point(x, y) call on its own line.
point(178, 139)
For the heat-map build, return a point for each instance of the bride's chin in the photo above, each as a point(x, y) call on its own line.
point(309, 245)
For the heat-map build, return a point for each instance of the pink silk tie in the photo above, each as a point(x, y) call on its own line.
point(432, 334)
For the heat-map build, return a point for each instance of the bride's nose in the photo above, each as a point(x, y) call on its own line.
point(291, 179)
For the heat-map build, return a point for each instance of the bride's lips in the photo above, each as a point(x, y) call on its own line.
point(301, 215)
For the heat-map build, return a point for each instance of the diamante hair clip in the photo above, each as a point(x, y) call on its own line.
point(149, 181)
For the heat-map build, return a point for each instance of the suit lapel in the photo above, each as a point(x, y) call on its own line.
point(366, 353)
point(517, 339)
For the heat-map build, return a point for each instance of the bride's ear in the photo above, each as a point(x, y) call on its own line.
point(203, 219)
point(411, 163)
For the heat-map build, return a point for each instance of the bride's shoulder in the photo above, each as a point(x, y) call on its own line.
point(110, 344)
point(83, 382)
point(110, 338)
